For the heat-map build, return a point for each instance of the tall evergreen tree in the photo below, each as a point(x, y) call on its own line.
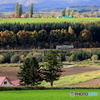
point(20, 11)
point(31, 10)
point(52, 70)
point(17, 7)
point(30, 72)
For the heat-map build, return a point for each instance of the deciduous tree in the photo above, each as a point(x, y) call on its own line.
point(64, 12)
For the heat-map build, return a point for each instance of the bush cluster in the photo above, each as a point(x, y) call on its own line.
point(78, 55)
point(19, 57)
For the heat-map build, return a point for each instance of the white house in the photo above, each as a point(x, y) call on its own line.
point(4, 81)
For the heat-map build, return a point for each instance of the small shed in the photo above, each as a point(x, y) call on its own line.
point(67, 17)
point(4, 81)
point(64, 47)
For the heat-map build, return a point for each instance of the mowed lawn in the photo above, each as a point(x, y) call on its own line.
point(45, 20)
point(48, 94)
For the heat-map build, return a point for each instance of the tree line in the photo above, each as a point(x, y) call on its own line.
point(48, 35)
point(19, 57)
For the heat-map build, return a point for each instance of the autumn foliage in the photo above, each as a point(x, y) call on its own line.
point(48, 35)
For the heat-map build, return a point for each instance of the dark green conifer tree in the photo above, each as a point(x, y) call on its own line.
point(53, 66)
point(30, 74)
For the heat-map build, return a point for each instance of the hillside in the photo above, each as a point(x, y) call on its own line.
point(25, 2)
point(7, 5)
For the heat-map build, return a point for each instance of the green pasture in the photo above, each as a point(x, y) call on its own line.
point(48, 94)
point(73, 79)
point(45, 20)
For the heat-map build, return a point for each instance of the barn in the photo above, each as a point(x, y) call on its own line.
point(16, 82)
point(4, 81)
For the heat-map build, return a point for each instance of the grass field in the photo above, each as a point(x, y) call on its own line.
point(48, 94)
point(73, 79)
point(42, 20)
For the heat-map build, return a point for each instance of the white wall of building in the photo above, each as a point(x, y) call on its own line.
point(6, 83)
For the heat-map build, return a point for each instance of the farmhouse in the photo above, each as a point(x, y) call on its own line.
point(4, 81)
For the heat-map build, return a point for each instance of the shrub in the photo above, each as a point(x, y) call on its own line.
point(1, 58)
point(96, 52)
point(94, 58)
point(73, 57)
point(21, 58)
point(7, 57)
point(80, 55)
point(15, 58)
point(63, 54)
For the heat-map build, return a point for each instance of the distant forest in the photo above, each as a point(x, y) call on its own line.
point(48, 35)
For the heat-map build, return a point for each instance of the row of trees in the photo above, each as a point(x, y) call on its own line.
point(32, 74)
point(48, 35)
point(69, 12)
point(82, 13)
point(19, 10)
point(19, 57)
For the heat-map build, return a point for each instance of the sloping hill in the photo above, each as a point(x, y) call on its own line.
point(9, 5)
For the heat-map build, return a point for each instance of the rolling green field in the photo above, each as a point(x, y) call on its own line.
point(48, 94)
point(45, 20)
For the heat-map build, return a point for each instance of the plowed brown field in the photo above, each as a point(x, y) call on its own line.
point(11, 73)
point(78, 70)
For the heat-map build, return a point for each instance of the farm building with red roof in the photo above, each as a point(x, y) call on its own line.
point(15, 82)
point(4, 81)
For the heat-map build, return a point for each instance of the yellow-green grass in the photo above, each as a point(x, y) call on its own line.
point(73, 79)
point(11, 65)
point(65, 64)
point(45, 20)
point(81, 64)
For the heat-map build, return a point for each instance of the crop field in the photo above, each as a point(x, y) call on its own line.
point(48, 94)
point(46, 20)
